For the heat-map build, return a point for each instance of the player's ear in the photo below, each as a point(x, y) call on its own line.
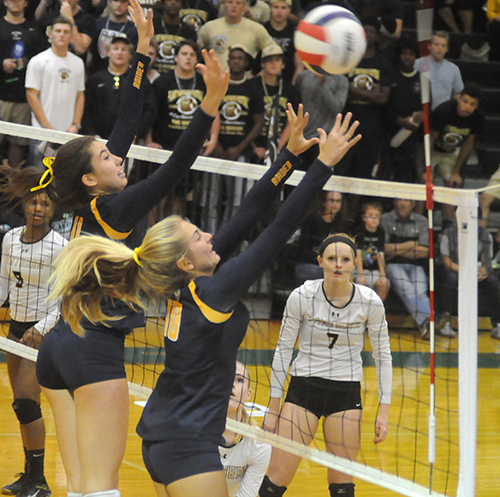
point(320, 261)
point(184, 265)
point(89, 180)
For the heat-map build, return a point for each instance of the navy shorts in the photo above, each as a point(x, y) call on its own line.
point(19, 328)
point(324, 397)
point(67, 361)
point(173, 460)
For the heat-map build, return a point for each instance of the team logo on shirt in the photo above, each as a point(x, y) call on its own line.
point(220, 44)
point(193, 18)
point(452, 139)
point(64, 75)
point(167, 49)
point(363, 81)
point(231, 111)
point(186, 105)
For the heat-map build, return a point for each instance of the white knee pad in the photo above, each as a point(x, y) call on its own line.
point(75, 494)
point(106, 493)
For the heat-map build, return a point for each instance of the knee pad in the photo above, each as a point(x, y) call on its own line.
point(344, 489)
point(269, 489)
point(105, 493)
point(27, 410)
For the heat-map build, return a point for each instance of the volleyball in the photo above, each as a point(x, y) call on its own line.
point(330, 40)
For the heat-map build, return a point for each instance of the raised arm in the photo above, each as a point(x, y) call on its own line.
point(131, 105)
point(235, 277)
point(260, 198)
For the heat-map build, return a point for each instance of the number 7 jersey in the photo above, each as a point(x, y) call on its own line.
point(331, 338)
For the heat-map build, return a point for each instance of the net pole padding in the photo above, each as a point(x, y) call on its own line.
point(467, 344)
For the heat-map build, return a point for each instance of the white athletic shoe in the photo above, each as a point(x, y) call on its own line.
point(495, 332)
point(446, 331)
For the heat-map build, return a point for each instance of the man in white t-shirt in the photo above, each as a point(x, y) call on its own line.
point(55, 83)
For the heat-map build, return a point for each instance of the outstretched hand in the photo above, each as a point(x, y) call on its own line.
point(144, 25)
point(297, 143)
point(216, 80)
point(335, 145)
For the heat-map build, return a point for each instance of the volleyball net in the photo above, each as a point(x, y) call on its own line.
point(421, 455)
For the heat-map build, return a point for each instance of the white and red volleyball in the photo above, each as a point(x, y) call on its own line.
point(330, 40)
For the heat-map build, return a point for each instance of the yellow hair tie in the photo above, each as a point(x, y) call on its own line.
point(136, 256)
point(47, 176)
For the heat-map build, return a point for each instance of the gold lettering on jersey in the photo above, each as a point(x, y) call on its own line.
point(338, 326)
point(173, 320)
point(235, 472)
point(138, 75)
point(17, 262)
point(281, 173)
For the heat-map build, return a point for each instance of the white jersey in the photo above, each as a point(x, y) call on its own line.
point(331, 338)
point(24, 274)
point(58, 79)
point(245, 464)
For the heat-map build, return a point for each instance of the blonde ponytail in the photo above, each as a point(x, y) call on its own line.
point(91, 268)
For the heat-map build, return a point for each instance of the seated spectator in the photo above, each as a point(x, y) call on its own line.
point(370, 242)
point(115, 24)
point(445, 77)
point(329, 216)
point(446, 10)
point(282, 29)
point(487, 280)
point(277, 94)
point(104, 92)
point(407, 253)
point(404, 116)
point(454, 126)
point(170, 30)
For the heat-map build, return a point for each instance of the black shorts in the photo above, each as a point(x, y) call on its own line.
point(19, 328)
point(173, 460)
point(67, 361)
point(324, 397)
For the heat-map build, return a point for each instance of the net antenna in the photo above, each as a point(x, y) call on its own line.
point(425, 10)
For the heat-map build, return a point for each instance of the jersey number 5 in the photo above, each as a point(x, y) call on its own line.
point(19, 278)
point(333, 338)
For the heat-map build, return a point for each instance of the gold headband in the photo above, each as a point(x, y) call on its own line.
point(136, 256)
point(47, 176)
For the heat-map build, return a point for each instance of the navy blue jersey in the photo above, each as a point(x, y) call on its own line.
point(205, 326)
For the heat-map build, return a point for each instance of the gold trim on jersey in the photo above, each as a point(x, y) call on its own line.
point(173, 320)
point(77, 227)
point(110, 232)
point(212, 315)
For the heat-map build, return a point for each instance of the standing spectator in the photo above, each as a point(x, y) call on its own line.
point(406, 251)
point(487, 280)
point(454, 126)
point(277, 94)
point(55, 83)
point(169, 31)
point(241, 110)
point(19, 41)
point(104, 92)
point(225, 32)
point(369, 90)
point(195, 13)
point(493, 27)
point(404, 118)
point(445, 77)
point(323, 97)
point(179, 94)
point(107, 28)
point(83, 24)
point(370, 259)
point(282, 29)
